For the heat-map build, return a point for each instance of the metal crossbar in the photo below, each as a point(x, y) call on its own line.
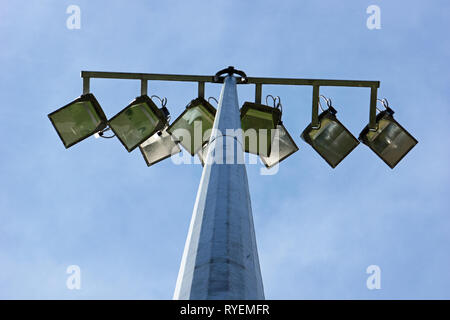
point(257, 81)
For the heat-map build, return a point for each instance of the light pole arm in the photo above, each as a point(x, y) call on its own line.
point(257, 81)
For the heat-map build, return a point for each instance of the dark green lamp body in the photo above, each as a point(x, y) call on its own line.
point(330, 139)
point(137, 122)
point(390, 141)
point(78, 120)
point(191, 128)
point(259, 121)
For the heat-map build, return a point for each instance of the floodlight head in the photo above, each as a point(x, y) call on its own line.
point(158, 147)
point(390, 141)
point(191, 128)
point(78, 120)
point(258, 122)
point(137, 122)
point(282, 147)
point(330, 139)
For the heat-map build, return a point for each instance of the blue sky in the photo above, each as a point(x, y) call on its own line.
point(318, 229)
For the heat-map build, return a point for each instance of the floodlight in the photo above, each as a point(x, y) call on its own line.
point(137, 122)
point(390, 141)
point(282, 147)
point(256, 117)
point(196, 120)
point(158, 147)
point(78, 120)
point(330, 139)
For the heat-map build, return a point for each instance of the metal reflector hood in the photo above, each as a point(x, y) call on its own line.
point(137, 122)
point(191, 127)
point(158, 147)
point(331, 139)
point(391, 142)
point(258, 117)
point(282, 147)
point(78, 120)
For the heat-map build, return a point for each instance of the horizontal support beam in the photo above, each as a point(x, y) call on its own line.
point(146, 76)
point(210, 79)
point(315, 82)
point(258, 82)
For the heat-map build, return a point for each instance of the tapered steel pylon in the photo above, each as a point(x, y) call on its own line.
point(220, 258)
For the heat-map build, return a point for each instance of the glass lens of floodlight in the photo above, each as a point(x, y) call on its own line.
point(137, 122)
point(391, 142)
point(258, 121)
point(331, 140)
point(78, 120)
point(282, 147)
point(158, 147)
point(192, 124)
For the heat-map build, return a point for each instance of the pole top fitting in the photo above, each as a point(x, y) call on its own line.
point(230, 71)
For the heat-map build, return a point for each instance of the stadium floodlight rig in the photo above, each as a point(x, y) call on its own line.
point(220, 259)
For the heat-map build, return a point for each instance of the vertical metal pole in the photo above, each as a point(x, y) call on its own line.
point(86, 88)
point(258, 93)
point(315, 107)
point(373, 109)
point(220, 258)
point(144, 87)
point(201, 89)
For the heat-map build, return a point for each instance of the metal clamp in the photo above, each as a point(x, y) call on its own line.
point(230, 71)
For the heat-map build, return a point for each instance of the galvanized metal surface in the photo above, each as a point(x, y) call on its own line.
point(220, 259)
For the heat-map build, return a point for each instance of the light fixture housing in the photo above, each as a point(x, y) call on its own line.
point(390, 141)
point(137, 122)
point(158, 147)
point(282, 147)
point(78, 119)
point(258, 116)
point(197, 112)
point(330, 139)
